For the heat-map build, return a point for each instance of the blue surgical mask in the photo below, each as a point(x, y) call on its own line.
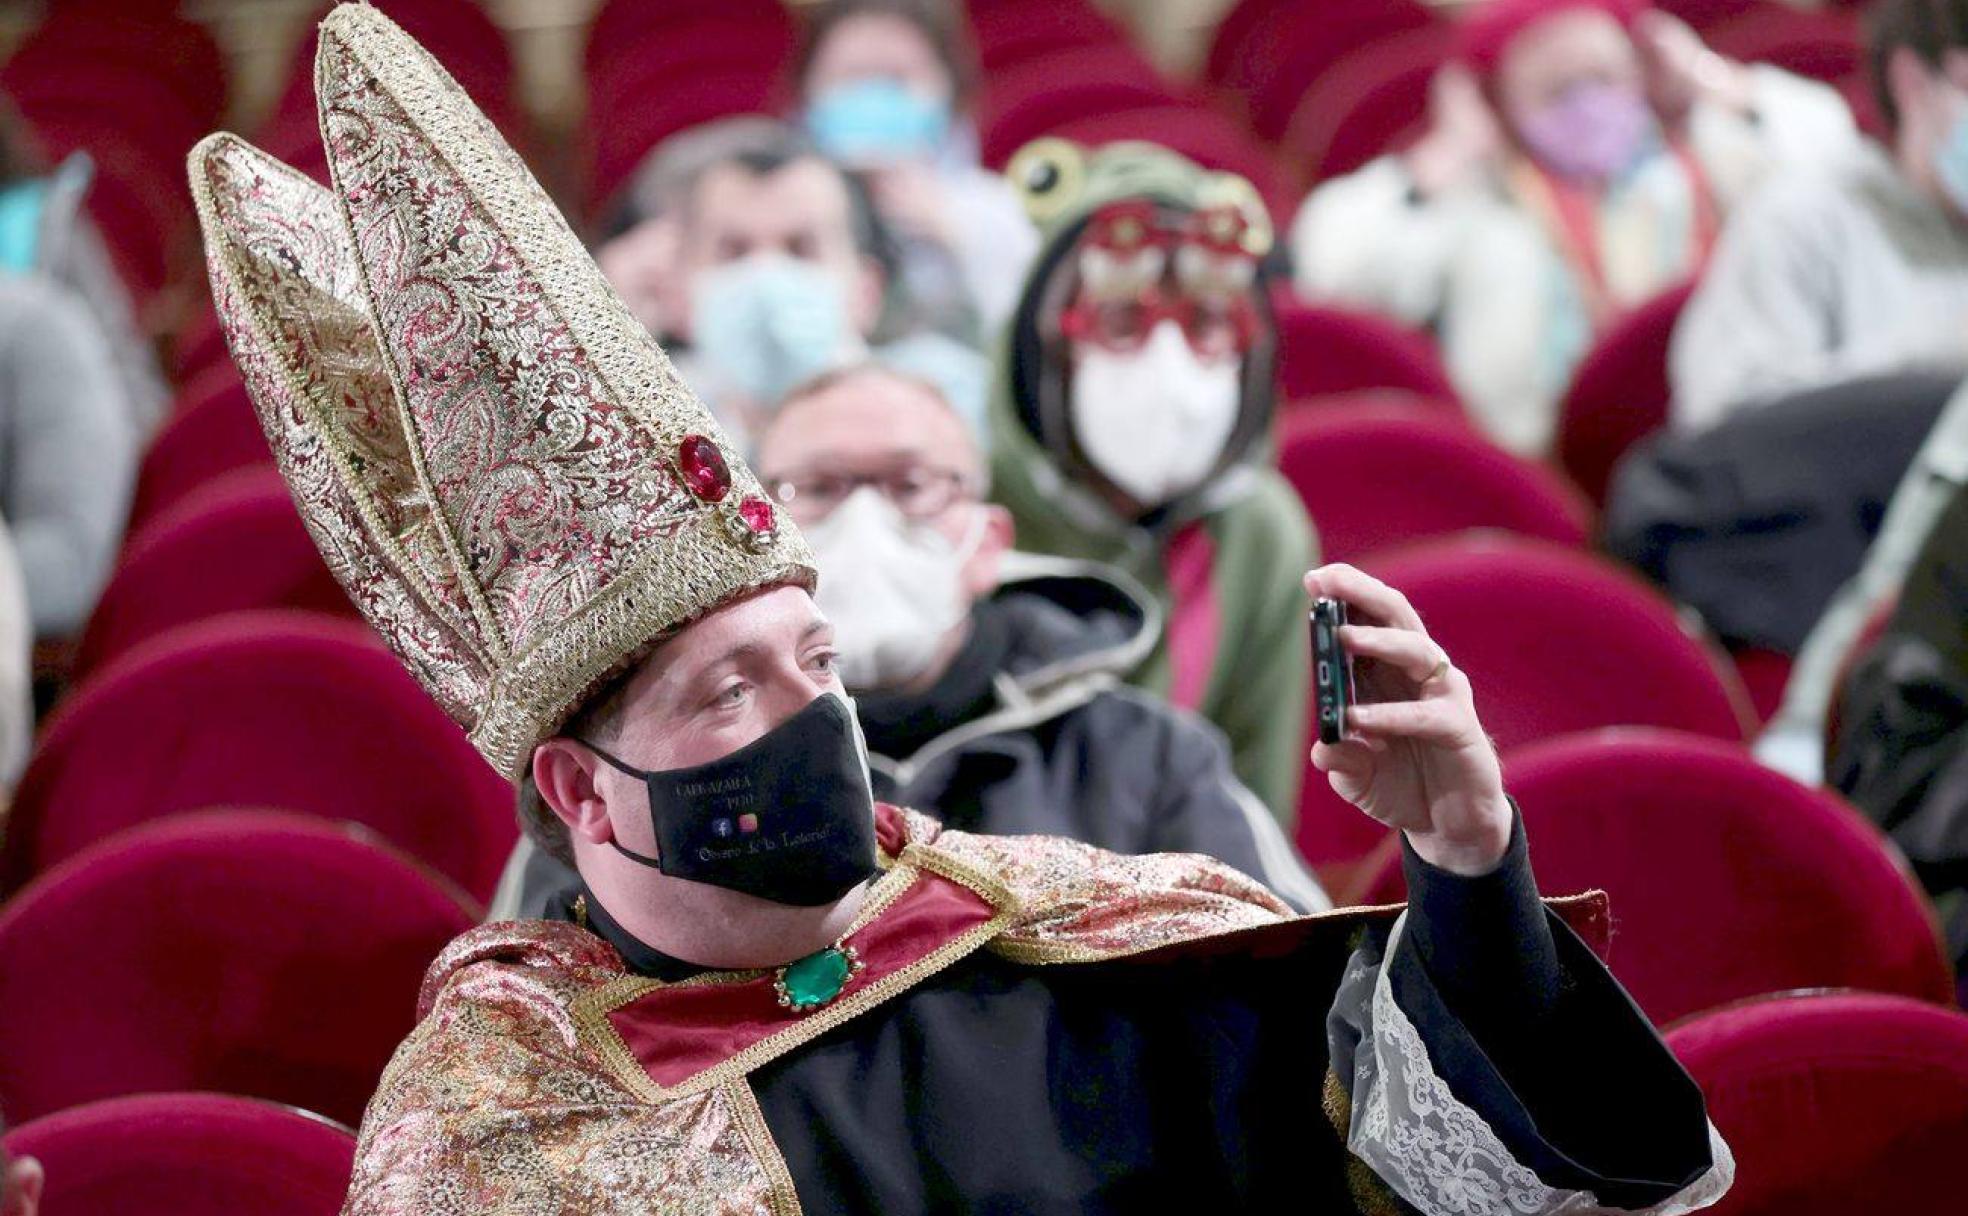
point(1951, 161)
point(877, 121)
point(21, 210)
point(767, 322)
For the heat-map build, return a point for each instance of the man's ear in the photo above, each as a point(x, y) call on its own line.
point(999, 533)
point(565, 773)
point(23, 1187)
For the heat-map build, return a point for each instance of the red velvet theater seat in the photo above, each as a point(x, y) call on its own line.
point(280, 709)
point(216, 434)
point(1366, 105)
point(189, 1154)
point(1555, 642)
point(1727, 880)
point(243, 951)
point(1619, 393)
point(1372, 477)
point(1558, 641)
point(1835, 1104)
point(234, 543)
point(1323, 351)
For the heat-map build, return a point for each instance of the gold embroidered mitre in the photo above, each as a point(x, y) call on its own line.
point(496, 460)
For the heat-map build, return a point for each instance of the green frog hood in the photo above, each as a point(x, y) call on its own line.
point(1038, 468)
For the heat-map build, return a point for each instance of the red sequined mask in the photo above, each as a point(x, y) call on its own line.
point(1137, 268)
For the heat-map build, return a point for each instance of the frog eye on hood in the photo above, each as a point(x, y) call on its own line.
point(1226, 193)
point(1049, 175)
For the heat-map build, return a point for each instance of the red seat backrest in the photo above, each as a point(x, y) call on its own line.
point(1367, 104)
point(216, 434)
point(1324, 350)
point(1293, 54)
point(626, 32)
point(189, 1154)
point(1039, 95)
point(648, 118)
point(1374, 477)
point(1619, 393)
point(1835, 1103)
point(235, 543)
point(1555, 642)
point(242, 951)
point(1558, 641)
point(1728, 880)
point(273, 708)
point(1006, 33)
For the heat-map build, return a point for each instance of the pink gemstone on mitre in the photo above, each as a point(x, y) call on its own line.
point(758, 516)
point(704, 470)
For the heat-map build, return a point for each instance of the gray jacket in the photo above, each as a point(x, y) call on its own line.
point(67, 452)
point(71, 252)
point(1069, 750)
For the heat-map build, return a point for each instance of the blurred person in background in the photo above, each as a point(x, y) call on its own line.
point(782, 271)
point(989, 685)
point(1580, 159)
point(1856, 265)
point(1131, 426)
point(1901, 754)
point(640, 248)
point(68, 455)
point(16, 671)
point(43, 230)
point(885, 89)
point(1794, 741)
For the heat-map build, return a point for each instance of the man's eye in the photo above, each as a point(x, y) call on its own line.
point(826, 660)
point(733, 696)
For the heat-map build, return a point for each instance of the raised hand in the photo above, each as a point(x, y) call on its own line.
point(1682, 69)
point(1415, 756)
point(1464, 140)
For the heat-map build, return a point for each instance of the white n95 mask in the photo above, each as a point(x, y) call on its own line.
point(892, 588)
point(1154, 421)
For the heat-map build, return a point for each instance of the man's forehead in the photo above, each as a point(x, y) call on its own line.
point(765, 620)
point(796, 194)
point(867, 419)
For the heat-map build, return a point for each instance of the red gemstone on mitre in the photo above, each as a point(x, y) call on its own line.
point(704, 470)
point(758, 516)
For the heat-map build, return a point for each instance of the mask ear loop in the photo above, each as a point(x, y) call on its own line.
point(641, 775)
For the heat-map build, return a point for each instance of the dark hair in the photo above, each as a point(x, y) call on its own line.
point(596, 719)
point(942, 25)
point(763, 153)
point(1928, 28)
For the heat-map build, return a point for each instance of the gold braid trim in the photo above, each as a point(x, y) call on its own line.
point(781, 1197)
point(591, 1009)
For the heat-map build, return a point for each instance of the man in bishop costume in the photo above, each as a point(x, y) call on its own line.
point(768, 994)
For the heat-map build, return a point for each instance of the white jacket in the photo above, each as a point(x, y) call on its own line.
point(1481, 270)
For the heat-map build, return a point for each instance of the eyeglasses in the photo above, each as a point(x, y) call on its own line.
point(919, 492)
point(1215, 327)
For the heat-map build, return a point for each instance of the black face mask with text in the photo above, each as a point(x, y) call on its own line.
point(789, 817)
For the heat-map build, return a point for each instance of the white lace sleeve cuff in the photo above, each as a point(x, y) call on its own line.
point(1437, 1153)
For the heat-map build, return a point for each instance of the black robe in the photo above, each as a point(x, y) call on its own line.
point(1206, 1078)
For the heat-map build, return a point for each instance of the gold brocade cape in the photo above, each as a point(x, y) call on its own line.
point(545, 1077)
